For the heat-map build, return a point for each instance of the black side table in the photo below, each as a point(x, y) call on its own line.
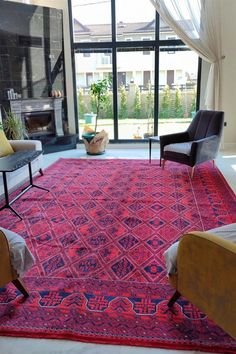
point(13, 162)
point(151, 139)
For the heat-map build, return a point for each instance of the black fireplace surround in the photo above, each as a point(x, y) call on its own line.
point(32, 65)
point(39, 124)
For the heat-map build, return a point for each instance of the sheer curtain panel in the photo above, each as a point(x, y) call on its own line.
point(198, 24)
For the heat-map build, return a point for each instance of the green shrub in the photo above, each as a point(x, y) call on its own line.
point(178, 108)
point(81, 103)
point(123, 111)
point(165, 105)
point(137, 103)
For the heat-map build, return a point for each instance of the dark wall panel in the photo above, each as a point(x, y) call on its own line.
point(31, 50)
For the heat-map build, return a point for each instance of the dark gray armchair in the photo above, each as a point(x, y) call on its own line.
point(199, 143)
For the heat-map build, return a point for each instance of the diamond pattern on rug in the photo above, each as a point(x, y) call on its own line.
point(98, 238)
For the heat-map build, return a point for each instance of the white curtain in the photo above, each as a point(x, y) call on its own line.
point(197, 23)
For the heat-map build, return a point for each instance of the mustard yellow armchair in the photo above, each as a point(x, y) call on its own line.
point(206, 275)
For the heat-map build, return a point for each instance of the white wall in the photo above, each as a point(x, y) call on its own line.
point(228, 10)
point(228, 98)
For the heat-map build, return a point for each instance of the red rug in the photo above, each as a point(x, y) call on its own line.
point(98, 237)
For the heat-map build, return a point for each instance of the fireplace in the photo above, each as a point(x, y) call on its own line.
point(43, 121)
point(39, 124)
point(44, 115)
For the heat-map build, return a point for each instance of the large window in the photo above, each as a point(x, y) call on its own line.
point(135, 81)
point(134, 20)
point(177, 89)
point(154, 75)
point(91, 68)
point(92, 20)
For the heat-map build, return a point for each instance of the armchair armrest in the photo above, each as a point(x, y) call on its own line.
point(172, 139)
point(206, 276)
point(23, 145)
point(205, 149)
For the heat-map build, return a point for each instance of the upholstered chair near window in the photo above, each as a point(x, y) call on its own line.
point(199, 143)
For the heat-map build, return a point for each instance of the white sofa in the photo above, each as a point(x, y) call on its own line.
point(14, 179)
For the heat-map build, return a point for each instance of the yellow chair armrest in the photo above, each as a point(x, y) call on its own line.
point(207, 276)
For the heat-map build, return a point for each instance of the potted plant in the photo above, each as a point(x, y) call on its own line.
point(13, 126)
point(95, 142)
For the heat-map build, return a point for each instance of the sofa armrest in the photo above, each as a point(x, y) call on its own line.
point(23, 145)
point(206, 276)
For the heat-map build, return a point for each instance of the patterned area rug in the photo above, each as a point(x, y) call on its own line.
point(98, 237)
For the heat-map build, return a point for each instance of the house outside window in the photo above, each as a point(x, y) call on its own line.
point(144, 98)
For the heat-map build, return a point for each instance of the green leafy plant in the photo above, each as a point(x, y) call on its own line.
point(137, 103)
point(123, 111)
point(98, 91)
point(178, 107)
point(193, 104)
point(13, 126)
point(149, 107)
point(107, 107)
point(165, 105)
point(81, 103)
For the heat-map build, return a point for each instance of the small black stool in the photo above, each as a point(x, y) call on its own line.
point(151, 139)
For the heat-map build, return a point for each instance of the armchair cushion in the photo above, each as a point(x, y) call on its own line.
point(227, 232)
point(5, 146)
point(181, 148)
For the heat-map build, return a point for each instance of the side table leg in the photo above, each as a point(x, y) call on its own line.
point(7, 205)
point(31, 179)
point(5, 188)
point(15, 212)
point(150, 150)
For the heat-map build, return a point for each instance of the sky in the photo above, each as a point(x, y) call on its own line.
point(99, 11)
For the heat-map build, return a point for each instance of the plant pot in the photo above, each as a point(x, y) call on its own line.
point(89, 118)
point(95, 144)
point(147, 135)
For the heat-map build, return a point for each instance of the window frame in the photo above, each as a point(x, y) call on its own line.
point(114, 45)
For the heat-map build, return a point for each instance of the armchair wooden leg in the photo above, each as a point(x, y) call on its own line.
point(21, 287)
point(173, 299)
point(213, 162)
point(192, 171)
point(163, 163)
point(41, 171)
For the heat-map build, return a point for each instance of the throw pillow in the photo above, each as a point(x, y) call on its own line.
point(5, 146)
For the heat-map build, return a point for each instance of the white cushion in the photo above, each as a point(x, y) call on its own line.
point(23, 145)
point(228, 232)
point(182, 148)
point(21, 257)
